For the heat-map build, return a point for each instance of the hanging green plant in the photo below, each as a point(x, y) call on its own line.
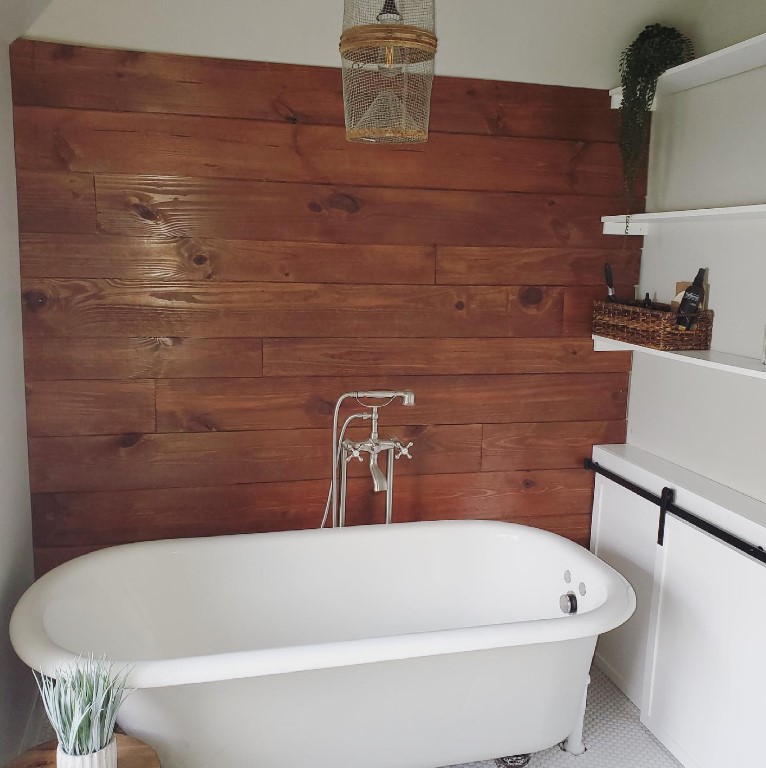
point(656, 49)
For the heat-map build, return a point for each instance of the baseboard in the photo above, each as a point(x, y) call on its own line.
point(618, 680)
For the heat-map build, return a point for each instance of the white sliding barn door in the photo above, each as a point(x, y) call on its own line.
point(624, 534)
point(705, 692)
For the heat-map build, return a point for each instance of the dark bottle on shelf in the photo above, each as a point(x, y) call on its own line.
point(691, 301)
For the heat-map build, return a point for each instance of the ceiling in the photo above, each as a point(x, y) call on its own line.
point(563, 42)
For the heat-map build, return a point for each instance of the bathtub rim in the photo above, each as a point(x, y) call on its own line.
point(38, 651)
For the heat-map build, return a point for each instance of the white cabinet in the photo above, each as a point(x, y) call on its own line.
point(692, 657)
point(705, 689)
point(624, 535)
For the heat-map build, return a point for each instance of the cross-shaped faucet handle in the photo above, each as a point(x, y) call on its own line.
point(355, 453)
point(403, 450)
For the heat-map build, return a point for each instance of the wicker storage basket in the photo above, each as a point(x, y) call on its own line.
point(655, 328)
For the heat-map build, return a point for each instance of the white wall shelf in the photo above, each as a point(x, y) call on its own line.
point(640, 222)
point(742, 57)
point(722, 361)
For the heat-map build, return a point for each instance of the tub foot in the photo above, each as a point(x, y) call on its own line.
point(574, 743)
point(515, 761)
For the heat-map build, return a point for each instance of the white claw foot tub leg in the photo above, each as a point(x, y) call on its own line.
point(574, 743)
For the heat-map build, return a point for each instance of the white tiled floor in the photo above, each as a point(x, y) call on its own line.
point(614, 736)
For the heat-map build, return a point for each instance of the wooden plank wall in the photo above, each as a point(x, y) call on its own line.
point(207, 264)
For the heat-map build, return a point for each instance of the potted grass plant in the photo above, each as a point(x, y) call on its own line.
point(81, 704)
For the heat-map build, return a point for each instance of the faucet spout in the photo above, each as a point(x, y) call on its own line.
point(379, 482)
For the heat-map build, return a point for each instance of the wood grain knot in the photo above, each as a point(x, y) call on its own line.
point(63, 52)
point(205, 422)
point(145, 211)
point(168, 341)
point(322, 407)
point(129, 439)
point(63, 149)
point(343, 202)
point(530, 296)
point(495, 123)
point(561, 230)
point(200, 259)
point(460, 306)
point(315, 207)
point(284, 112)
point(35, 300)
point(527, 482)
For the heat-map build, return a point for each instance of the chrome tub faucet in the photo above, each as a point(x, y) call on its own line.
point(346, 450)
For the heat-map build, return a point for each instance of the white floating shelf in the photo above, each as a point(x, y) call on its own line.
point(615, 99)
point(742, 57)
point(744, 366)
point(639, 222)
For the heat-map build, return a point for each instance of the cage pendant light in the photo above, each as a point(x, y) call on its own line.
point(387, 50)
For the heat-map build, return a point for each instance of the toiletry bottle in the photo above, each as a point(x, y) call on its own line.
point(692, 300)
point(609, 282)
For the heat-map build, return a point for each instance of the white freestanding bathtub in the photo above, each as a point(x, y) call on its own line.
point(405, 646)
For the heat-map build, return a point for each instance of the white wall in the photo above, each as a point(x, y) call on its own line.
point(565, 42)
point(725, 22)
point(16, 685)
point(708, 150)
point(15, 522)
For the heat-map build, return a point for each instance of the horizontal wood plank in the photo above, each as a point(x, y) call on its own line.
point(543, 498)
point(513, 500)
point(98, 308)
point(133, 461)
point(56, 202)
point(196, 405)
point(176, 145)
point(89, 407)
point(389, 357)
point(62, 75)
point(500, 108)
point(553, 445)
point(47, 358)
point(195, 259)
point(536, 266)
point(55, 75)
point(174, 206)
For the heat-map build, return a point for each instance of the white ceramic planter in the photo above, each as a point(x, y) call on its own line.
point(104, 758)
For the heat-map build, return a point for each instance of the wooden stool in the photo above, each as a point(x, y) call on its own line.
point(131, 753)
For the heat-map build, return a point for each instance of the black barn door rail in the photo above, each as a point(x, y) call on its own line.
point(667, 505)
